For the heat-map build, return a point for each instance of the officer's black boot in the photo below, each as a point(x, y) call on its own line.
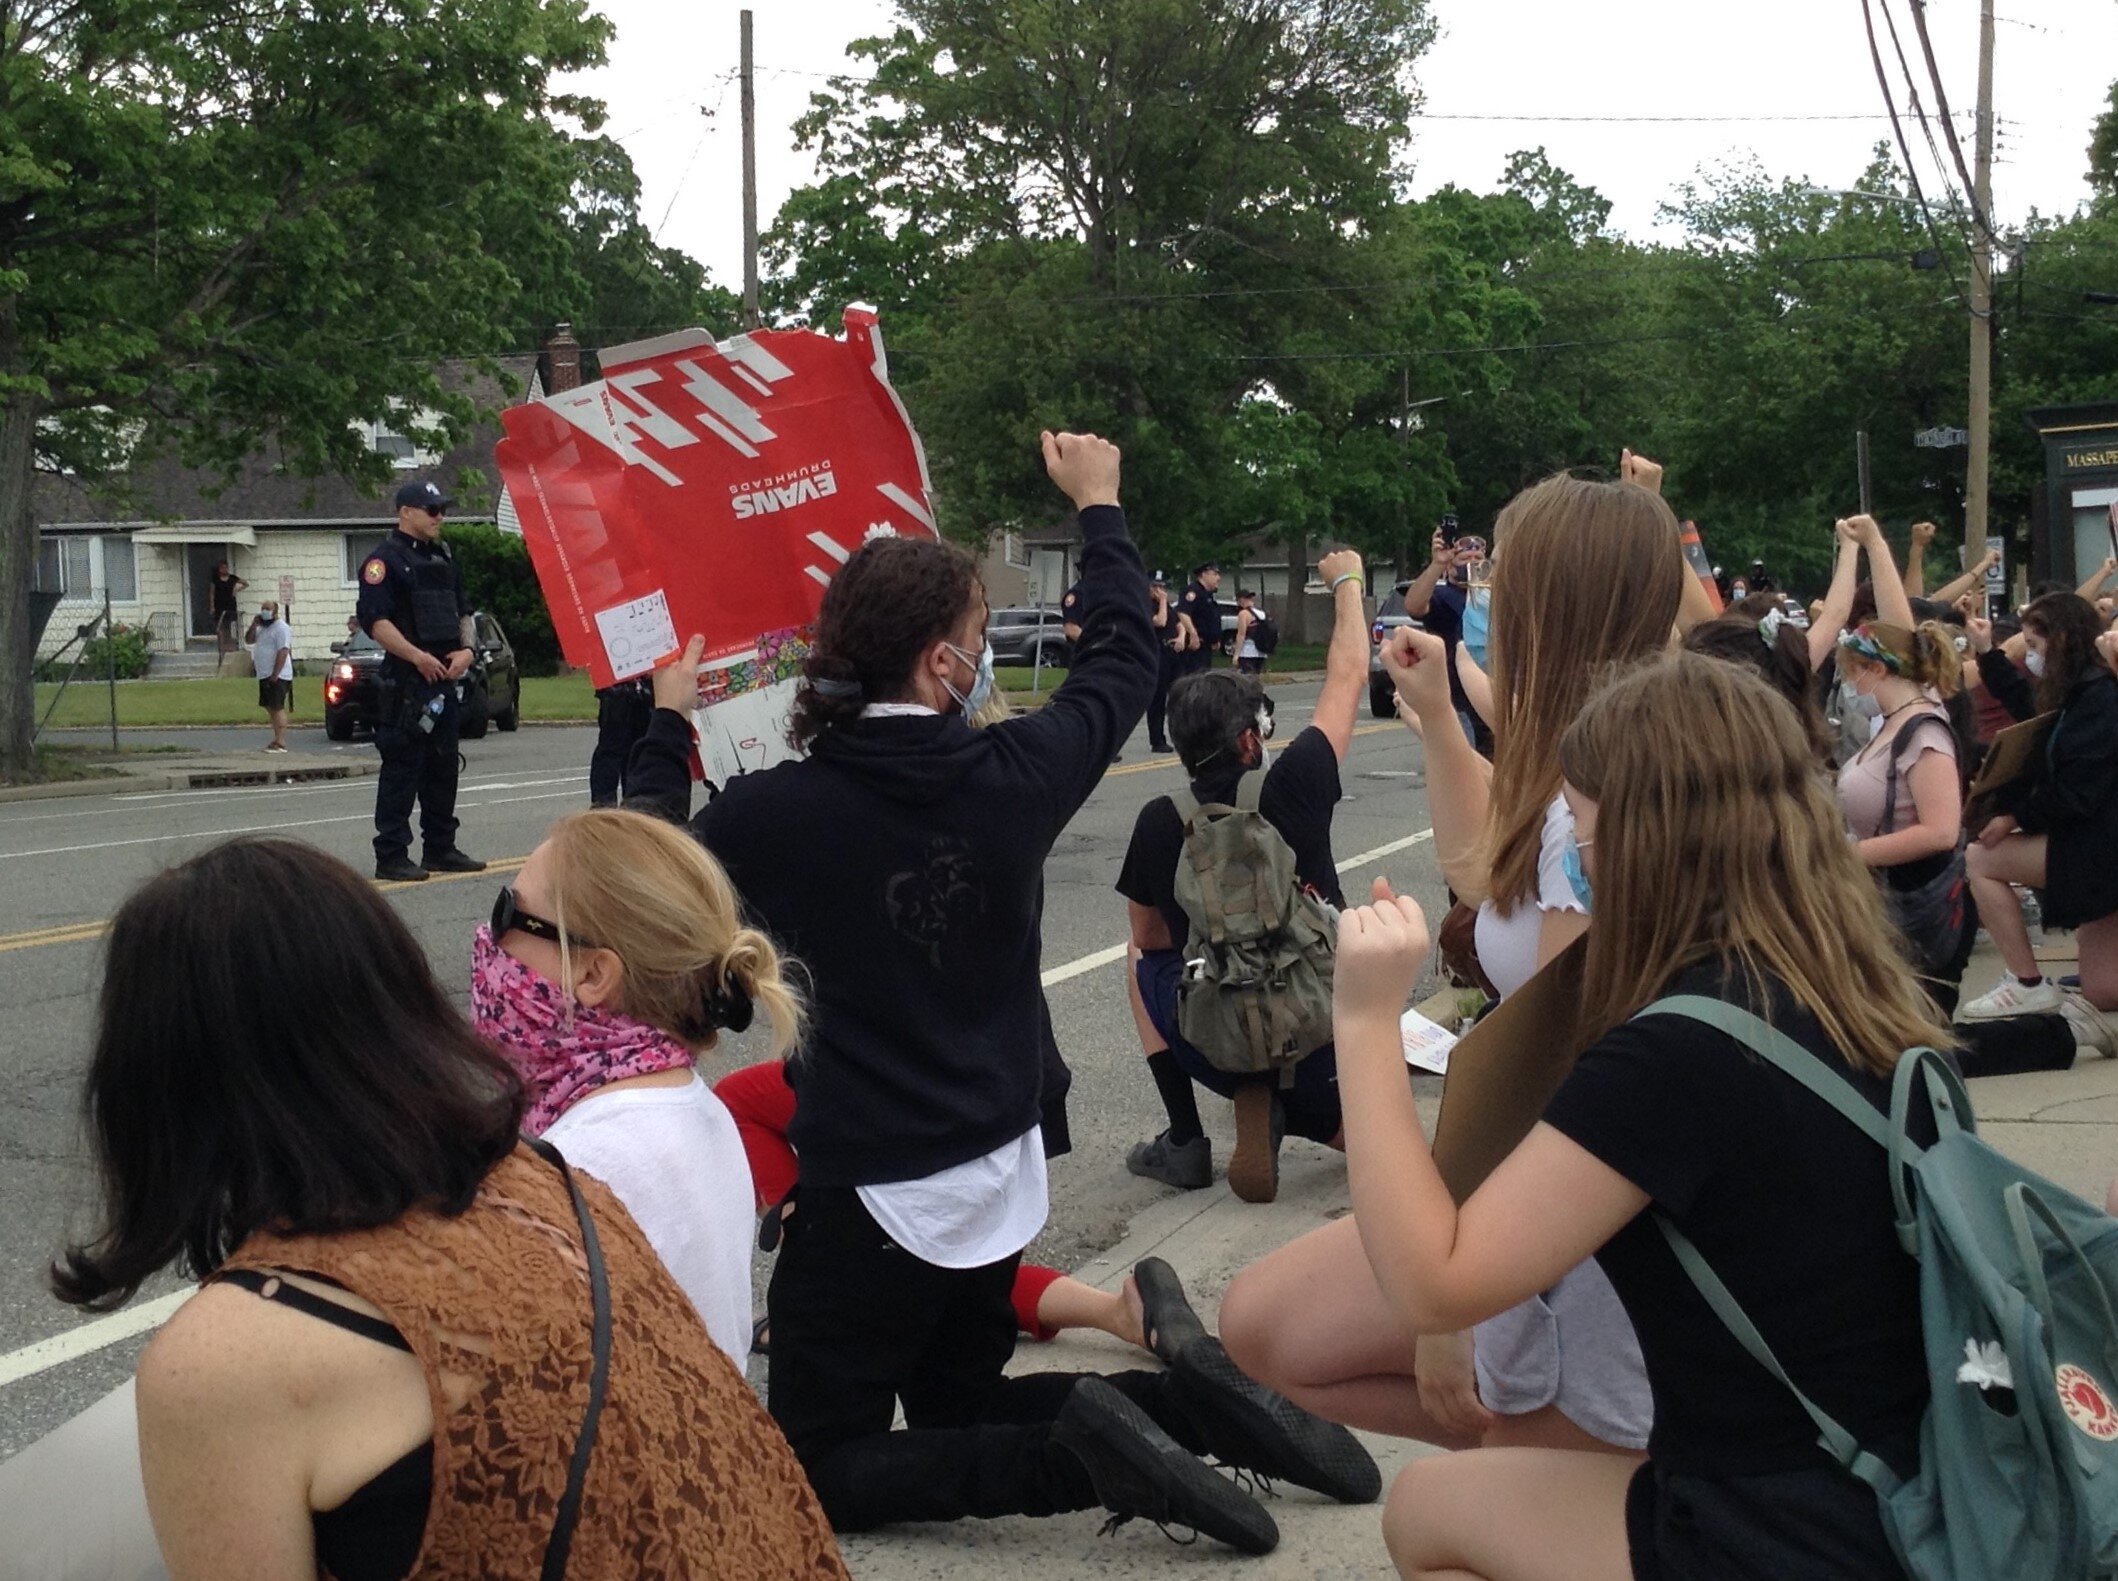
point(399, 869)
point(451, 861)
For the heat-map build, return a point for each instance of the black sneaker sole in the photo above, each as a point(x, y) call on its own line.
point(1248, 1425)
point(1165, 1309)
point(1139, 1471)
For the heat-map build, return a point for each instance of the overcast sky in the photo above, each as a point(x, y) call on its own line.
point(673, 102)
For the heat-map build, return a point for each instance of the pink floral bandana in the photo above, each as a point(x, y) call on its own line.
point(563, 1050)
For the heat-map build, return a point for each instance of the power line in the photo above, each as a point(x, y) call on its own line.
point(1882, 80)
point(1941, 101)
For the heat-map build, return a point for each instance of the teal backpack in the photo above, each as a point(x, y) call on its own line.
point(2014, 1483)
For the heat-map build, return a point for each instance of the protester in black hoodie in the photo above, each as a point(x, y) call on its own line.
point(902, 862)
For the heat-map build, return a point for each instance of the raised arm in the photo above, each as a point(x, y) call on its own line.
point(1950, 592)
point(1693, 606)
point(1890, 601)
point(1838, 598)
point(1459, 789)
point(2102, 574)
point(1419, 595)
point(1346, 660)
point(1916, 559)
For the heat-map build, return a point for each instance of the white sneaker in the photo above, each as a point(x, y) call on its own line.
point(2092, 1029)
point(2009, 997)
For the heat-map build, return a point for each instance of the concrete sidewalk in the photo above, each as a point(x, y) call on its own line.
point(2064, 1124)
point(164, 771)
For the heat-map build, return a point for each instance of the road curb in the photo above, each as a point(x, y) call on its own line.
point(197, 776)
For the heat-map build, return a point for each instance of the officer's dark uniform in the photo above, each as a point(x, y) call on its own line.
point(1167, 669)
point(622, 715)
point(1205, 612)
point(417, 588)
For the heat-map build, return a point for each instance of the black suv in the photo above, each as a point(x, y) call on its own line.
point(1017, 634)
point(492, 691)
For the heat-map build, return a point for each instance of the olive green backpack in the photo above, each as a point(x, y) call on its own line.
point(1255, 997)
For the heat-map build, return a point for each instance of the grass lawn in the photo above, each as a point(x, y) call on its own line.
point(232, 700)
point(558, 697)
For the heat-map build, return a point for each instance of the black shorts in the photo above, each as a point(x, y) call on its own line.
point(1812, 1525)
point(274, 695)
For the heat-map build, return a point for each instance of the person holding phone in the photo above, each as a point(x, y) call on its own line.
point(1439, 598)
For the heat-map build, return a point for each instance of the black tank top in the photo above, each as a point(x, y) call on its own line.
point(375, 1534)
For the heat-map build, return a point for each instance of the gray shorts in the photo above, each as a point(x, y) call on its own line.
point(1572, 1347)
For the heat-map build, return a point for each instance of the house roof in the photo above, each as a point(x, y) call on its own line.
point(263, 495)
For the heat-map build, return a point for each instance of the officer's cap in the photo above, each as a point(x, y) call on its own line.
point(425, 496)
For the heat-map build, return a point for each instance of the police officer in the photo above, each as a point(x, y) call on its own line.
point(1199, 609)
point(622, 715)
point(412, 603)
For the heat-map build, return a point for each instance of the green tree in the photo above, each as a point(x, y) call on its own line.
point(226, 226)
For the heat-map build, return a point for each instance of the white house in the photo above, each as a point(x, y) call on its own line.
point(301, 540)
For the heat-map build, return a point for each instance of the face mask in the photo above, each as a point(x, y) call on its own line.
point(1265, 724)
point(1738, 593)
point(1477, 623)
point(2033, 661)
point(981, 680)
point(1570, 862)
point(1856, 704)
point(563, 1050)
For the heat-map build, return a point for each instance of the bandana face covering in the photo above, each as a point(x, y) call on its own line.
point(562, 1049)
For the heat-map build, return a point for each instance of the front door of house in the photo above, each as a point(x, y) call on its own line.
point(199, 561)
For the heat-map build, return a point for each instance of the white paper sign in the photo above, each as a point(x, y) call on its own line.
point(637, 634)
point(1427, 1044)
point(747, 733)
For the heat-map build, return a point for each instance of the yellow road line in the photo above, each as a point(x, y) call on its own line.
point(84, 932)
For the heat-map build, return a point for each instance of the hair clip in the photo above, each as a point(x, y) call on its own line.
point(838, 691)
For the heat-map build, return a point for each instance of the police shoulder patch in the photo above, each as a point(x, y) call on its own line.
point(374, 571)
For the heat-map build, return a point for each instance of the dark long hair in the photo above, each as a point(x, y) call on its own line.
point(272, 1052)
point(1738, 637)
point(2070, 626)
point(892, 601)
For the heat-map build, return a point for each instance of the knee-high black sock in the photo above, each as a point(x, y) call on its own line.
point(1178, 1100)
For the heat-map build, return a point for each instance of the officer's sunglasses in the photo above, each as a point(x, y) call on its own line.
point(509, 917)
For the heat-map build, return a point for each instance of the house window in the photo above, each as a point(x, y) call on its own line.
point(120, 570)
point(386, 439)
point(80, 566)
point(358, 546)
point(1015, 551)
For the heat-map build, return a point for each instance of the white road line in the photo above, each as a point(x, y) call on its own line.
point(88, 1338)
point(94, 1336)
point(263, 828)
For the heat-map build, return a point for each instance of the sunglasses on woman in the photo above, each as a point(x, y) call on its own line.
point(509, 917)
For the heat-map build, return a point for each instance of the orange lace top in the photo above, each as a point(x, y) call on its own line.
point(689, 1476)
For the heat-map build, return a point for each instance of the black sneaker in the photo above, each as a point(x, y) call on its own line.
point(1165, 1311)
point(399, 870)
point(1246, 1424)
point(1187, 1166)
point(1139, 1470)
point(452, 861)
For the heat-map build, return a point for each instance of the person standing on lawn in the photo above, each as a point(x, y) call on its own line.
point(271, 645)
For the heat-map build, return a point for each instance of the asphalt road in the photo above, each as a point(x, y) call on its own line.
point(66, 864)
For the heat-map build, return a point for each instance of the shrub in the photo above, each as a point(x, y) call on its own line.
point(498, 578)
point(124, 648)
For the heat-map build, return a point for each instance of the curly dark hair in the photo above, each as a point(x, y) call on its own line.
point(892, 601)
point(2070, 626)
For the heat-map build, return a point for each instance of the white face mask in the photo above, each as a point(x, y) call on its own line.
point(2033, 661)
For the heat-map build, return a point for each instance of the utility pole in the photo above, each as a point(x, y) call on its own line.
point(1981, 416)
point(751, 319)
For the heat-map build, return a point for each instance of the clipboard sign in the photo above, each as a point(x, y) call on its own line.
point(1505, 1070)
point(2009, 767)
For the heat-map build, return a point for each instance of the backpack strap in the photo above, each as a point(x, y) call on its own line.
point(1906, 735)
point(1779, 1050)
point(1186, 804)
point(1249, 789)
point(1839, 1444)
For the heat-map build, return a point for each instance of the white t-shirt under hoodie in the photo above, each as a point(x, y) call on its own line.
point(672, 1156)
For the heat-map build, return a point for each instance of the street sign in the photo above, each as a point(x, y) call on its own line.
point(1997, 572)
point(286, 593)
point(1941, 438)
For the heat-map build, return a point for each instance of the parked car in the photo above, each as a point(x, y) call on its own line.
point(1389, 615)
point(492, 690)
point(1018, 634)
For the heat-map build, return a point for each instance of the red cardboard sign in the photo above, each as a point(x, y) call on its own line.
point(709, 488)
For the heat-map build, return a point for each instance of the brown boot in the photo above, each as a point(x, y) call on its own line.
point(1254, 1167)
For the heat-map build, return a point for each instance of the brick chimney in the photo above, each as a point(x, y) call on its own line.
point(562, 357)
